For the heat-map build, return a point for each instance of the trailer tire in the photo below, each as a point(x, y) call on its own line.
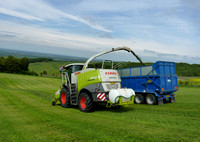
point(64, 98)
point(139, 99)
point(85, 102)
point(151, 99)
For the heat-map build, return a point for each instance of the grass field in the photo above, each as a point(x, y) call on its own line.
point(50, 67)
point(26, 115)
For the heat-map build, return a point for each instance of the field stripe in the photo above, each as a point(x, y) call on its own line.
point(26, 115)
point(91, 122)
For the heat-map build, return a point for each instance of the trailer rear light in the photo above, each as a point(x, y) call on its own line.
point(176, 88)
point(160, 97)
point(163, 89)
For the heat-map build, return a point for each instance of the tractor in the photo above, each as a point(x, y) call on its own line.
point(84, 86)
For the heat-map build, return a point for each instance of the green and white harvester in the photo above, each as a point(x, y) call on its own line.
point(85, 86)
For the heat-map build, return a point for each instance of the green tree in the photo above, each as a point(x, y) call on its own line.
point(24, 62)
point(2, 64)
point(12, 65)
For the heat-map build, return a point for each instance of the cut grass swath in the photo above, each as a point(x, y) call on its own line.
point(26, 115)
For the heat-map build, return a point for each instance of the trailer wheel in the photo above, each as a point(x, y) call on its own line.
point(64, 98)
point(151, 99)
point(85, 102)
point(139, 99)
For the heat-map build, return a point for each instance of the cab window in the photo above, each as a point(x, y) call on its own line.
point(76, 68)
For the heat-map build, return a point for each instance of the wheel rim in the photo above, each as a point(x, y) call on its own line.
point(63, 98)
point(149, 100)
point(82, 103)
point(138, 99)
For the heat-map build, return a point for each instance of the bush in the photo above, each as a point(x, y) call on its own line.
point(188, 83)
point(15, 65)
point(39, 59)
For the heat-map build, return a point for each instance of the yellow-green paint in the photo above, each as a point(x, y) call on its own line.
point(88, 78)
point(131, 101)
point(120, 102)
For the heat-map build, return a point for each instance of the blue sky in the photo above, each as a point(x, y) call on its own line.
point(156, 30)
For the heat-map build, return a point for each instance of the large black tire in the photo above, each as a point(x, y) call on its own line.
point(139, 99)
point(85, 102)
point(64, 98)
point(151, 99)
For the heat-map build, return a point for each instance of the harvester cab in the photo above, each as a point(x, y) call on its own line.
point(84, 86)
point(68, 70)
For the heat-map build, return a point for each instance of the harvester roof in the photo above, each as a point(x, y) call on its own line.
point(69, 65)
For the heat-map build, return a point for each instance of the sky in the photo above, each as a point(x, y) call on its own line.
point(167, 30)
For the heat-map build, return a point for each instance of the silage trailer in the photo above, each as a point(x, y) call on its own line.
point(152, 84)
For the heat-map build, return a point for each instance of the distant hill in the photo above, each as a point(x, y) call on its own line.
point(28, 54)
point(52, 67)
point(184, 69)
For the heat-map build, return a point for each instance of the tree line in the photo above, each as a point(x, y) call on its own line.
point(39, 59)
point(182, 69)
point(12, 64)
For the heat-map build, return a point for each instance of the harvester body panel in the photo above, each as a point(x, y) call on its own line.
point(88, 78)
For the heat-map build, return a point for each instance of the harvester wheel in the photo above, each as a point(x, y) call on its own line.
point(151, 99)
point(85, 102)
point(139, 99)
point(64, 98)
point(53, 103)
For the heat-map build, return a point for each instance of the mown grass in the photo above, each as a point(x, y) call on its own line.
point(26, 115)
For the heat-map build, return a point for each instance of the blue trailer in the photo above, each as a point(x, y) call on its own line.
point(152, 84)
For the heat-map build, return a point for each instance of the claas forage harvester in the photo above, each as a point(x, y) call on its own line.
point(84, 86)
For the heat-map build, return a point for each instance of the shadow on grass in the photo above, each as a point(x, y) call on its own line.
point(103, 108)
point(114, 109)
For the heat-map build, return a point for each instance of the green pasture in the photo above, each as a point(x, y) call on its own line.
point(26, 115)
point(52, 68)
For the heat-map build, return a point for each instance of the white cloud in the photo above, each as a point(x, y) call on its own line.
point(95, 26)
point(19, 14)
point(49, 37)
point(41, 11)
point(165, 27)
